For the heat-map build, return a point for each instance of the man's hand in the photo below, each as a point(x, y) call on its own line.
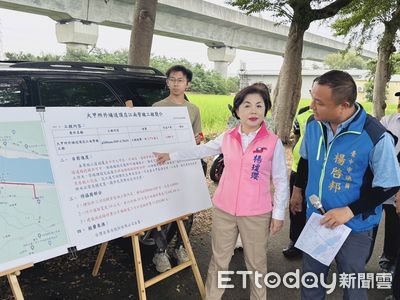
point(337, 216)
point(198, 138)
point(161, 158)
point(275, 226)
point(296, 201)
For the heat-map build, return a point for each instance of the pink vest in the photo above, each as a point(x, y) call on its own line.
point(244, 188)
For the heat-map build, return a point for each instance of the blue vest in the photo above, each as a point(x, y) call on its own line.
point(339, 171)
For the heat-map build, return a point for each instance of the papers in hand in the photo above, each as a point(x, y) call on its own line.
point(320, 242)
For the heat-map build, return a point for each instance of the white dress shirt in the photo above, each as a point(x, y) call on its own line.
point(279, 172)
point(392, 123)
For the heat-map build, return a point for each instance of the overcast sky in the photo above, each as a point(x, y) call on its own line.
point(36, 34)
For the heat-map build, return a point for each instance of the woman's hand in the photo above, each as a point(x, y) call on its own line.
point(161, 158)
point(275, 226)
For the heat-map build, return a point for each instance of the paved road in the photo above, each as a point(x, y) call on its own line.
point(62, 278)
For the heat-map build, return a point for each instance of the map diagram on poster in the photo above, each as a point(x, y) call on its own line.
point(31, 223)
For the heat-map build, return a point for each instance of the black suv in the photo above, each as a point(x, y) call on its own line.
point(78, 84)
point(82, 84)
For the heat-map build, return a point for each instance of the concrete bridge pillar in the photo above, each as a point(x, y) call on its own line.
point(77, 35)
point(222, 56)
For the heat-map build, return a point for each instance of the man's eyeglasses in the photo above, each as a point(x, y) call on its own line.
point(177, 81)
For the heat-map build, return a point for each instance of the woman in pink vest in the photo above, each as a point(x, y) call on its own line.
point(243, 202)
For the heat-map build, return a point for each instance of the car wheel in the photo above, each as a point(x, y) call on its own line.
point(217, 168)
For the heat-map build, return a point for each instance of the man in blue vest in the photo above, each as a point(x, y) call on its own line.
point(348, 160)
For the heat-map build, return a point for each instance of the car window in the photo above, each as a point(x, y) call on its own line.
point(11, 92)
point(76, 93)
point(148, 93)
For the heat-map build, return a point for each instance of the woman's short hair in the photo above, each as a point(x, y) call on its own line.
point(252, 89)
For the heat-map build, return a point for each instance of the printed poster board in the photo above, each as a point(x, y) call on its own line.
point(77, 177)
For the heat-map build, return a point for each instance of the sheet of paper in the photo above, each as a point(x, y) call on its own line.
point(320, 242)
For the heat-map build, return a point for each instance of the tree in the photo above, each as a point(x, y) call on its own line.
point(204, 81)
point(344, 61)
point(20, 56)
point(394, 68)
point(394, 65)
point(300, 13)
point(98, 55)
point(369, 90)
point(359, 21)
point(142, 32)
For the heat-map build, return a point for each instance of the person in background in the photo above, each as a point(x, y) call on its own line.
point(297, 218)
point(178, 81)
point(396, 271)
point(391, 244)
point(396, 278)
point(396, 275)
point(390, 258)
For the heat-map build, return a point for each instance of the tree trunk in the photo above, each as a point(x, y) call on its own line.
point(142, 32)
point(288, 89)
point(382, 73)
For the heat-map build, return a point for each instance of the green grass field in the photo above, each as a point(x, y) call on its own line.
point(214, 110)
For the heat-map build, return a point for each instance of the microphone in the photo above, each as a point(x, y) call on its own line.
point(316, 202)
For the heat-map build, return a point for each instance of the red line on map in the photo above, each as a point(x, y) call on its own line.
point(20, 183)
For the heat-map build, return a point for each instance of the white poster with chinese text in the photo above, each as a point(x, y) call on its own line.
point(106, 175)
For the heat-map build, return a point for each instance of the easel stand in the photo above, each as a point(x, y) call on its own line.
point(13, 280)
point(142, 284)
